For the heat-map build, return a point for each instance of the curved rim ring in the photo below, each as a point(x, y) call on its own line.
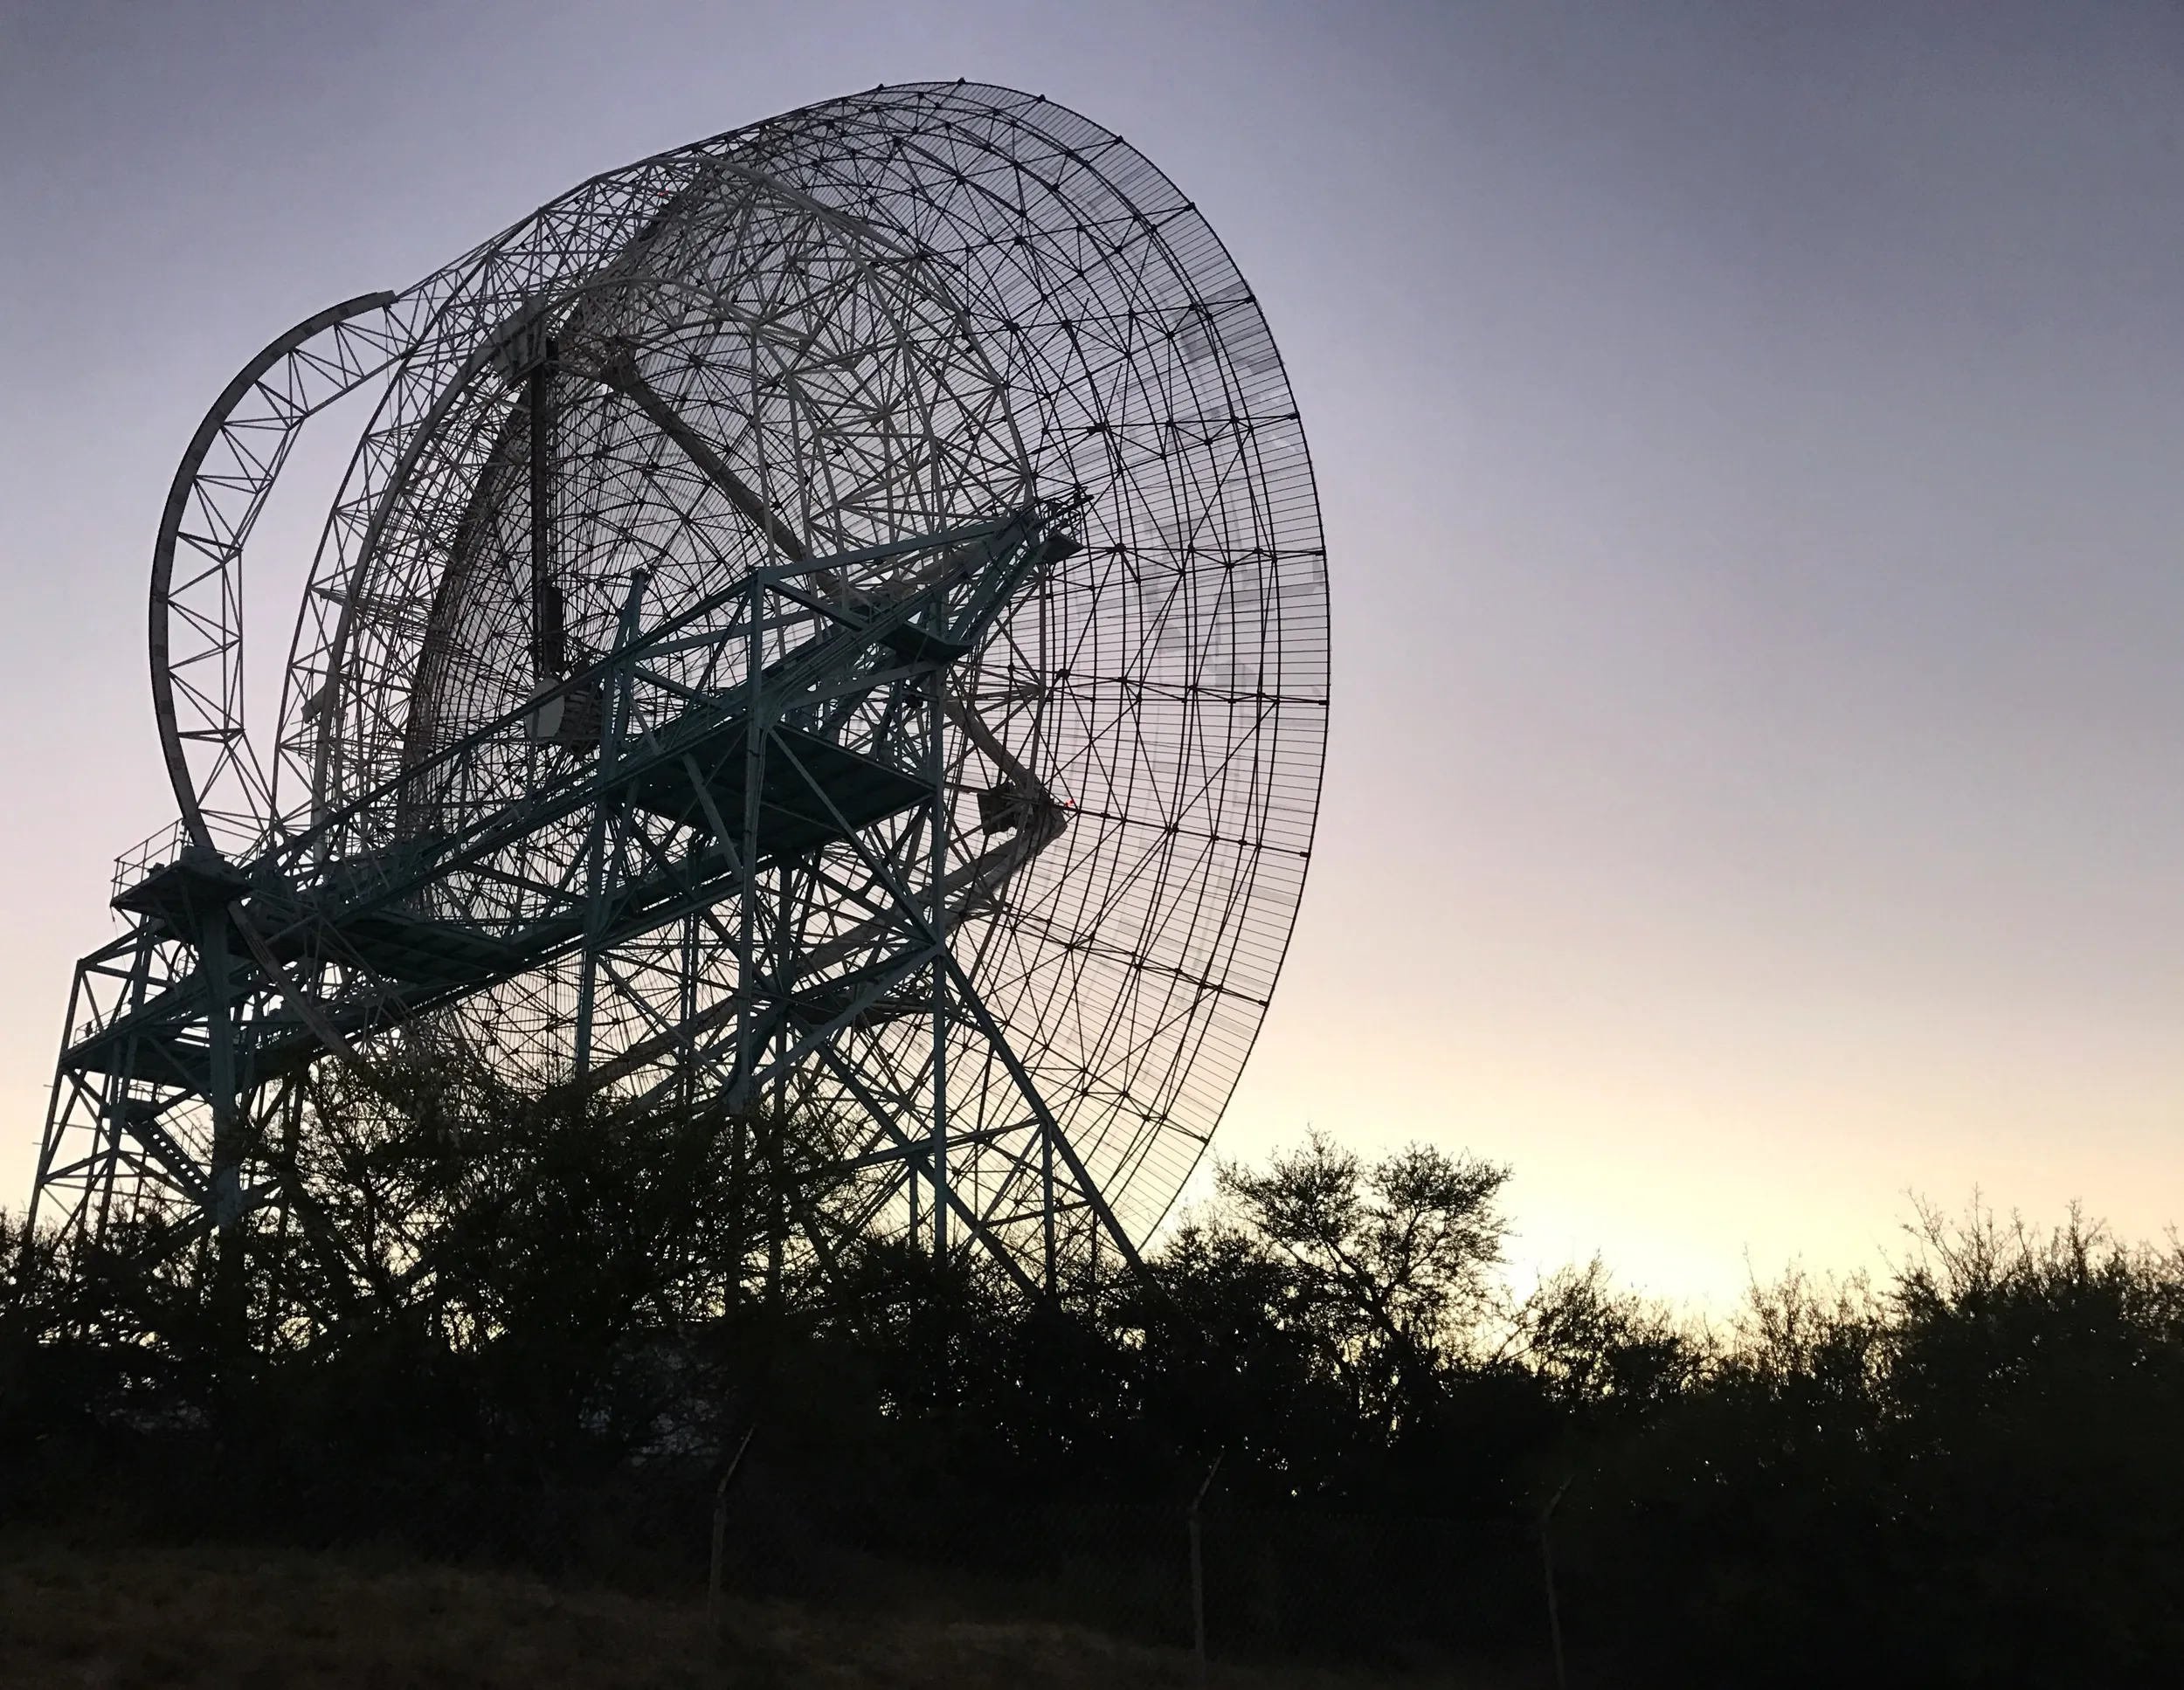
point(208, 607)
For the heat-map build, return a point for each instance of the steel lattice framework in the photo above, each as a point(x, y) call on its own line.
point(835, 613)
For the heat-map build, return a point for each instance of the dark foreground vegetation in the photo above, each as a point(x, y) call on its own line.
point(213, 1616)
point(568, 1319)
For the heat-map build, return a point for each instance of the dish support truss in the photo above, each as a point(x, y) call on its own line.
point(581, 866)
point(805, 780)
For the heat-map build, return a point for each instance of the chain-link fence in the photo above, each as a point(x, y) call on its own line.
point(1291, 1582)
point(1269, 1583)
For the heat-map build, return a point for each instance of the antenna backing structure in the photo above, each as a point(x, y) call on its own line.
point(826, 624)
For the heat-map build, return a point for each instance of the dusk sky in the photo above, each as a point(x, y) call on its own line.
point(1751, 439)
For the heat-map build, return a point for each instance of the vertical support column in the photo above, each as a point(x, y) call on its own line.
point(116, 1121)
point(686, 985)
point(740, 1099)
point(549, 654)
point(231, 1293)
point(1046, 1202)
point(936, 878)
point(753, 1153)
point(605, 834)
point(781, 966)
point(1049, 1220)
point(220, 1087)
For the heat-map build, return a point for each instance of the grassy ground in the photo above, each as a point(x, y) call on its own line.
point(121, 1618)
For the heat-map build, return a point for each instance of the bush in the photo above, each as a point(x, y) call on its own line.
point(507, 1326)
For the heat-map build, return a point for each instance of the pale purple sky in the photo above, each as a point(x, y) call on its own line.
point(1751, 440)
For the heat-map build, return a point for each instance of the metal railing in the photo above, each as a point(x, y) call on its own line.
point(235, 840)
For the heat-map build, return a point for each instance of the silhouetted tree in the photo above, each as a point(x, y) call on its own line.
point(1391, 1264)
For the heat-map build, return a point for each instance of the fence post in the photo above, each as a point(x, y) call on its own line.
point(1198, 1572)
point(720, 1523)
point(1547, 1566)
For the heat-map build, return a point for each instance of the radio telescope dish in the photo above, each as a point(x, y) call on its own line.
point(832, 616)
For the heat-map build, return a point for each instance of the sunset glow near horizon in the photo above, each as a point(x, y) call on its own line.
point(1752, 446)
